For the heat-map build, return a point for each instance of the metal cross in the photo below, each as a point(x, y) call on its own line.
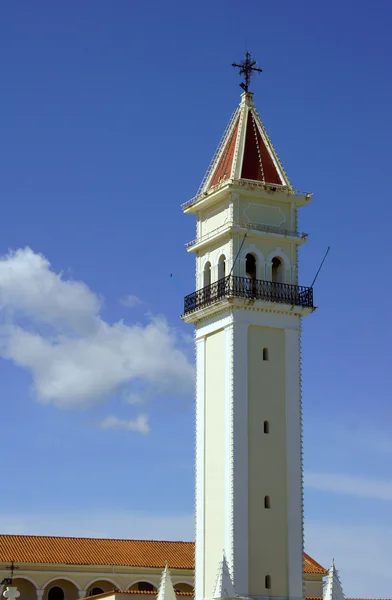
point(8, 580)
point(247, 67)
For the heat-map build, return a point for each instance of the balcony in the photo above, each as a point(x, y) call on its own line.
point(242, 287)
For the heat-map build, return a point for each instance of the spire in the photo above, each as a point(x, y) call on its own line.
point(245, 152)
point(166, 590)
point(333, 587)
point(224, 587)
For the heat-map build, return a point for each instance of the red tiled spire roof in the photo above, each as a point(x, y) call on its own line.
point(245, 152)
point(257, 163)
point(223, 167)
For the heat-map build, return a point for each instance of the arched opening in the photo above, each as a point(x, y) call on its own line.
point(266, 427)
point(102, 585)
point(207, 274)
point(61, 589)
point(265, 353)
point(27, 589)
point(250, 266)
point(143, 586)
point(277, 270)
point(56, 593)
point(267, 502)
point(268, 582)
point(183, 587)
point(222, 267)
point(251, 270)
point(95, 591)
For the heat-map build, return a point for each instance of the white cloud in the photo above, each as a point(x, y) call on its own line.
point(51, 327)
point(131, 301)
point(350, 485)
point(140, 424)
point(28, 288)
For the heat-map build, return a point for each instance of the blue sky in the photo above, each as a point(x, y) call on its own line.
point(110, 115)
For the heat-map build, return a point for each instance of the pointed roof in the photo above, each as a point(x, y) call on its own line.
point(245, 152)
point(166, 590)
point(333, 588)
point(224, 587)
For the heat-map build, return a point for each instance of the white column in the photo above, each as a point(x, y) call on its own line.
point(200, 475)
point(294, 465)
point(82, 593)
point(239, 565)
point(40, 594)
point(228, 421)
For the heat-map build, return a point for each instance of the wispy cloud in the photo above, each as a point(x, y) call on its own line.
point(349, 485)
point(52, 327)
point(140, 424)
point(130, 301)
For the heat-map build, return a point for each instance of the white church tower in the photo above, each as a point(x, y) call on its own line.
point(247, 311)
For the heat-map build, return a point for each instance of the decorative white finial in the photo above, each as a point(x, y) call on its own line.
point(333, 588)
point(11, 592)
point(224, 587)
point(166, 590)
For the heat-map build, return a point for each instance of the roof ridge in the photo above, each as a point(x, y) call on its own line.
point(102, 539)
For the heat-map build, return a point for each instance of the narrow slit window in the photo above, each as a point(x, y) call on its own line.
point(265, 353)
point(268, 582)
point(267, 502)
point(266, 427)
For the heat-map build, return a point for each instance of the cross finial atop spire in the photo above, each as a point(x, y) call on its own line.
point(247, 67)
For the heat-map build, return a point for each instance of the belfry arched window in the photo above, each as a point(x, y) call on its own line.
point(277, 270)
point(207, 274)
point(222, 267)
point(251, 266)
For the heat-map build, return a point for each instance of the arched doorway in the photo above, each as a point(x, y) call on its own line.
point(61, 589)
point(27, 589)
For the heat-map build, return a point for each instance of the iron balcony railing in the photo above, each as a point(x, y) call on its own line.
point(253, 289)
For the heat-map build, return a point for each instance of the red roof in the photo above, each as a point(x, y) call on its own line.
point(246, 152)
point(97, 551)
point(223, 167)
point(257, 163)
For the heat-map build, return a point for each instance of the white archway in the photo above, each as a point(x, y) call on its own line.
point(260, 262)
point(286, 265)
point(35, 584)
point(62, 578)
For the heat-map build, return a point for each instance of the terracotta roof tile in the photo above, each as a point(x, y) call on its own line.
point(311, 566)
point(92, 551)
point(98, 551)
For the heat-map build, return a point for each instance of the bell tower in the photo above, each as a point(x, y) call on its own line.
point(247, 311)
